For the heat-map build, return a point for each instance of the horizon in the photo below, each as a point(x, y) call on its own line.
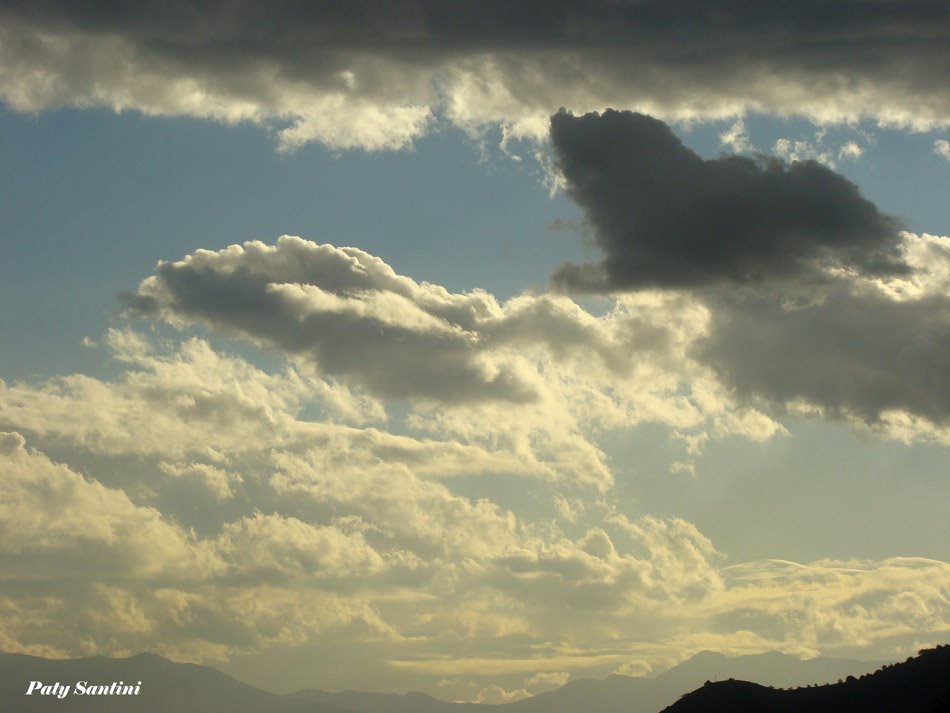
point(476, 348)
point(917, 681)
point(653, 675)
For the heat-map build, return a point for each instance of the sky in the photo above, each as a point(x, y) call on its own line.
point(473, 348)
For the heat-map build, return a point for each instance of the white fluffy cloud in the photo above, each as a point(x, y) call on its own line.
point(496, 695)
point(201, 506)
point(348, 311)
point(56, 524)
point(830, 605)
point(554, 679)
point(424, 482)
point(527, 377)
point(198, 409)
point(407, 569)
point(816, 149)
point(531, 376)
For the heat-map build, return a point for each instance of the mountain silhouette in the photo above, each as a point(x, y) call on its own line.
point(167, 687)
point(919, 685)
point(769, 669)
point(619, 694)
point(412, 702)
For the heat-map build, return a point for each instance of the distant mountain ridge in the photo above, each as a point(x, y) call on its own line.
point(619, 694)
point(169, 687)
point(771, 668)
point(920, 684)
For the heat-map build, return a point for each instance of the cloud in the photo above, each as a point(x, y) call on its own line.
point(942, 148)
point(817, 149)
point(698, 362)
point(186, 425)
point(97, 573)
point(817, 304)
point(837, 314)
point(867, 350)
point(682, 558)
point(192, 401)
point(635, 669)
point(856, 354)
point(496, 695)
point(403, 570)
point(328, 518)
point(197, 412)
point(373, 77)
point(217, 480)
point(664, 217)
point(56, 524)
point(408, 511)
point(548, 678)
point(528, 376)
point(736, 138)
point(89, 62)
point(265, 547)
point(837, 604)
point(345, 309)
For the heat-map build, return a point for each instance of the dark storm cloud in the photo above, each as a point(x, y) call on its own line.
point(754, 240)
point(490, 22)
point(856, 354)
point(664, 217)
point(316, 66)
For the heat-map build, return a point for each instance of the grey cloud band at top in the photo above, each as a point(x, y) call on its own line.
point(375, 75)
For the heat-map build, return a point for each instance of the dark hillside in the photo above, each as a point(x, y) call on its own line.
point(919, 685)
point(618, 694)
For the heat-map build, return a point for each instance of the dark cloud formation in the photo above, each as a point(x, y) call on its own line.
point(857, 354)
point(492, 22)
point(371, 73)
point(667, 218)
point(801, 275)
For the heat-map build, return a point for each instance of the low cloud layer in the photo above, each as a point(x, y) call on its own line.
point(376, 76)
point(413, 578)
point(664, 217)
point(299, 512)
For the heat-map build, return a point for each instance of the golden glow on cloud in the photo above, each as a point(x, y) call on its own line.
point(345, 524)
